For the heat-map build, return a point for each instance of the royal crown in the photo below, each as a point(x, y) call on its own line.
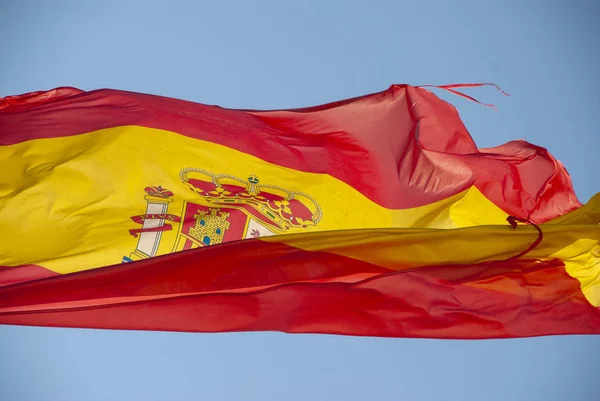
point(158, 191)
point(282, 208)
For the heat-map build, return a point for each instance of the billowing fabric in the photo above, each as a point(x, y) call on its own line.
point(369, 216)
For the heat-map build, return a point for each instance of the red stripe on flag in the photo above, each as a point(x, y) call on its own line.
point(178, 293)
point(403, 147)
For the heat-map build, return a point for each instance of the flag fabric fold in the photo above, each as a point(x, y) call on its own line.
point(376, 215)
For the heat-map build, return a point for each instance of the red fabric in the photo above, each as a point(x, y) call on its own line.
point(253, 285)
point(452, 89)
point(18, 274)
point(28, 100)
point(403, 147)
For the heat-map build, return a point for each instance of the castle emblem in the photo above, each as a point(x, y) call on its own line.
point(225, 208)
point(210, 227)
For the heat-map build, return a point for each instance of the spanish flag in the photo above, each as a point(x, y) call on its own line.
point(373, 216)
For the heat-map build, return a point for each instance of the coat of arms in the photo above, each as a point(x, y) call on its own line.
point(226, 208)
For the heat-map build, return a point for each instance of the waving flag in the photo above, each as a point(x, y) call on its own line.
point(370, 216)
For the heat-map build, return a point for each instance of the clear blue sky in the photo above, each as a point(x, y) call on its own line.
point(279, 54)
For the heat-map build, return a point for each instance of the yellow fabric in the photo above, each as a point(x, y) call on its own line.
point(398, 249)
point(66, 203)
point(583, 255)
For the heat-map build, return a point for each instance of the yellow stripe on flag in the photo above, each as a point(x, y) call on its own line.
point(67, 202)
